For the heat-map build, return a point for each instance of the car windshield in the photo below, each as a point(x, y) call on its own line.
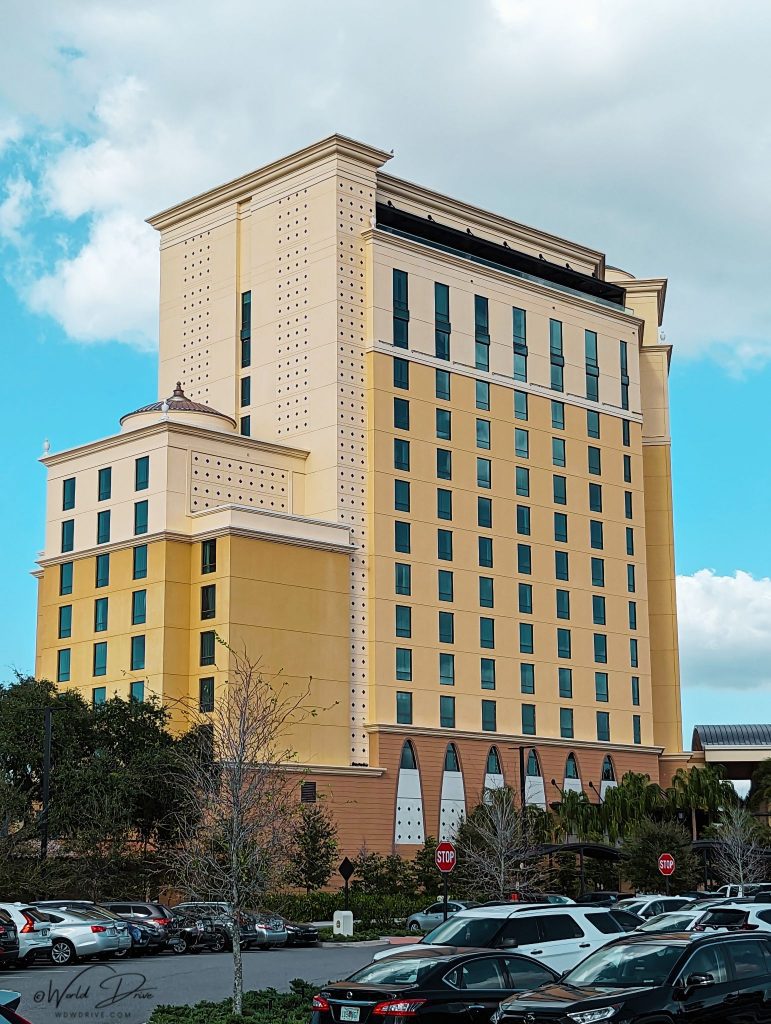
point(464, 931)
point(723, 918)
point(646, 963)
point(668, 923)
point(631, 906)
point(394, 971)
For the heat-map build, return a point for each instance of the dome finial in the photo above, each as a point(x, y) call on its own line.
point(178, 392)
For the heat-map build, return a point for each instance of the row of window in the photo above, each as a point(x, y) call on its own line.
point(99, 659)
point(139, 568)
point(104, 482)
point(443, 333)
point(138, 611)
point(103, 520)
point(136, 692)
point(446, 590)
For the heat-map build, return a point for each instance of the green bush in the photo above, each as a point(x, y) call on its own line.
point(370, 910)
point(266, 1006)
point(359, 934)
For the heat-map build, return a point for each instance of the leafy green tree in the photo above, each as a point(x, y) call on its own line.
point(701, 790)
point(376, 874)
point(643, 846)
point(313, 848)
point(425, 874)
point(760, 787)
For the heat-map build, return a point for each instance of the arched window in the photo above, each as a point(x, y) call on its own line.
point(533, 767)
point(408, 756)
point(451, 763)
point(608, 771)
point(493, 763)
point(571, 767)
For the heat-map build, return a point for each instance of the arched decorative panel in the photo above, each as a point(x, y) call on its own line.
point(452, 804)
point(535, 792)
point(408, 824)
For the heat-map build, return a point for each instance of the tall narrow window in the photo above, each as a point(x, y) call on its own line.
point(603, 726)
point(634, 660)
point(483, 434)
point(209, 601)
point(558, 451)
point(526, 677)
point(592, 366)
point(524, 559)
point(566, 723)
point(447, 712)
point(482, 395)
point(557, 415)
point(68, 535)
point(137, 653)
point(520, 343)
point(443, 464)
point(65, 578)
point(137, 691)
point(520, 405)
point(594, 461)
point(401, 373)
point(565, 677)
point(68, 494)
point(246, 329)
point(104, 490)
point(627, 469)
point(99, 695)
point(403, 708)
point(403, 621)
point(486, 632)
point(595, 497)
point(522, 481)
point(630, 579)
point(636, 729)
point(481, 333)
point(488, 716)
point(601, 693)
point(445, 585)
point(63, 658)
point(600, 648)
point(401, 309)
point(101, 612)
point(401, 454)
point(486, 592)
point(598, 572)
point(102, 571)
point(485, 545)
point(528, 719)
point(446, 628)
point(207, 648)
point(525, 594)
point(563, 604)
point(442, 326)
point(443, 424)
point(485, 513)
point(140, 562)
point(560, 490)
point(403, 579)
point(625, 438)
point(103, 526)
point(402, 537)
point(636, 691)
point(246, 391)
point(624, 364)
point(100, 659)
point(487, 673)
point(523, 520)
point(442, 385)
point(139, 608)
point(208, 556)
point(526, 641)
point(142, 473)
point(628, 505)
point(521, 443)
point(633, 615)
point(560, 528)
point(140, 516)
point(556, 357)
point(444, 545)
point(598, 610)
point(595, 534)
point(402, 495)
point(592, 423)
point(246, 426)
point(447, 669)
point(65, 621)
point(561, 565)
point(564, 645)
point(401, 414)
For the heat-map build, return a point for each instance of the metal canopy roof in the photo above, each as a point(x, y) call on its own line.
point(705, 736)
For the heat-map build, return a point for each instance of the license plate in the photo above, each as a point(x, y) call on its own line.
point(349, 1012)
point(45, 932)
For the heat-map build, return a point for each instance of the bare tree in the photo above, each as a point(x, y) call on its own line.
point(498, 847)
point(739, 857)
point(239, 812)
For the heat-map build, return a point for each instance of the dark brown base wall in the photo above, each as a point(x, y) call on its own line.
point(364, 805)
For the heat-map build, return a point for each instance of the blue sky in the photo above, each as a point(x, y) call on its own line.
point(552, 113)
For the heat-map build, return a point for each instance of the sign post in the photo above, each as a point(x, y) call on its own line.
point(346, 869)
point(666, 867)
point(445, 858)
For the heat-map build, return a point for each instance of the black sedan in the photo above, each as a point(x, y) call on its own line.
point(444, 985)
point(709, 979)
point(301, 934)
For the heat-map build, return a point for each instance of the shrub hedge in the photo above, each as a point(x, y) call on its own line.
point(371, 911)
point(266, 1006)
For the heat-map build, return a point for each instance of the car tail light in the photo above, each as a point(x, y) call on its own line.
point(98, 928)
point(162, 920)
point(398, 1007)
point(29, 924)
point(320, 1003)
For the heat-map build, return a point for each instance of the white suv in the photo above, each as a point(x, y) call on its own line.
point(651, 906)
point(556, 935)
point(34, 930)
point(742, 917)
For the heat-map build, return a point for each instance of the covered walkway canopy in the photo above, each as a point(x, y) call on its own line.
point(738, 748)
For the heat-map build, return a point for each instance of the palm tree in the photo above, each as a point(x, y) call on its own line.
point(577, 815)
point(701, 789)
point(760, 789)
point(635, 799)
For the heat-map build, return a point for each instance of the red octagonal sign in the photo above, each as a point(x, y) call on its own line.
point(666, 864)
point(445, 856)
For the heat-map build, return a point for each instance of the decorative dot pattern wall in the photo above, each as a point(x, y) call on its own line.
point(196, 315)
point(292, 380)
point(217, 481)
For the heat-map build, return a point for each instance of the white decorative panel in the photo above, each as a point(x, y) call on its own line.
point(452, 806)
point(409, 808)
point(220, 481)
point(605, 786)
point(535, 794)
point(571, 785)
point(493, 781)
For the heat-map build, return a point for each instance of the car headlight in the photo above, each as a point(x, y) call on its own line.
point(590, 1016)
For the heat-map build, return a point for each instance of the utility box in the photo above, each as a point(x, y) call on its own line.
point(342, 922)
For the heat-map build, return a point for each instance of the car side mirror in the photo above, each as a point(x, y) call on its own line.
point(699, 981)
point(509, 943)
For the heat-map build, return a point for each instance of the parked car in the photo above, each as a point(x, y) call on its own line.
point(749, 889)
point(9, 1002)
point(425, 920)
point(443, 985)
point(736, 917)
point(674, 921)
point(77, 934)
point(9, 939)
point(33, 931)
point(556, 936)
point(709, 979)
point(193, 933)
point(301, 934)
point(158, 921)
point(600, 898)
point(649, 906)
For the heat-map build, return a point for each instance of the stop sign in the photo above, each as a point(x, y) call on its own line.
point(445, 856)
point(667, 864)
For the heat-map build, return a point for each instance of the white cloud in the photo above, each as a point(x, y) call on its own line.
point(725, 631)
point(14, 208)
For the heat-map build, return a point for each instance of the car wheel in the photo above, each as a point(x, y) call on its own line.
point(119, 954)
point(415, 928)
point(219, 943)
point(63, 953)
point(181, 946)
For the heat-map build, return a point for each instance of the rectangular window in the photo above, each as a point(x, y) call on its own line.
point(483, 434)
point(246, 391)
point(137, 653)
point(102, 571)
point(520, 405)
point(598, 572)
point(65, 578)
point(447, 669)
point(104, 489)
point(566, 723)
point(557, 415)
point(444, 545)
point(627, 469)
point(628, 505)
point(446, 628)
point(561, 571)
point(594, 460)
point(485, 545)
point(522, 474)
point(65, 621)
point(401, 316)
point(442, 328)
point(592, 366)
point(600, 648)
point(558, 451)
point(634, 660)
point(402, 537)
point(140, 517)
point(482, 394)
point(630, 540)
point(560, 528)
point(528, 719)
point(630, 579)
point(68, 494)
point(563, 643)
point(209, 601)
point(442, 385)
point(633, 615)
point(526, 677)
point(246, 426)
point(403, 620)
point(603, 726)
point(624, 366)
point(524, 559)
point(481, 333)
point(444, 464)
point(401, 454)
point(487, 632)
point(101, 612)
point(592, 423)
point(401, 414)
point(139, 608)
point(99, 695)
point(401, 495)
point(246, 329)
point(63, 665)
point(142, 473)
point(137, 691)
point(636, 729)
point(401, 373)
point(560, 490)
point(526, 643)
point(68, 535)
point(485, 513)
point(523, 519)
point(443, 424)
point(598, 610)
point(555, 356)
point(403, 579)
point(206, 694)
point(601, 693)
point(207, 648)
point(565, 676)
point(625, 439)
point(100, 659)
point(525, 596)
point(488, 716)
point(595, 534)
point(486, 592)
point(403, 708)
point(103, 527)
point(595, 497)
point(636, 691)
point(563, 604)
point(484, 473)
point(445, 585)
point(447, 712)
point(522, 443)
point(487, 673)
point(520, 343)
point(139, 559)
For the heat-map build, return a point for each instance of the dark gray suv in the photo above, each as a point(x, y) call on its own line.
point(257, 930)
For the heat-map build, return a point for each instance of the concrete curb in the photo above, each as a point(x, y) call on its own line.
point(354, 945)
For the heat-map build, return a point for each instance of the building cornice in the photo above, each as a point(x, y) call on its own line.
point(240, 189)
point(354, 771)
point(650, 284)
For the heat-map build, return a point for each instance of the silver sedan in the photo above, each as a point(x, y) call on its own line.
point(77, 934)
point(426, 920)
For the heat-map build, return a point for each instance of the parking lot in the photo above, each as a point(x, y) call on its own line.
point(128, 990)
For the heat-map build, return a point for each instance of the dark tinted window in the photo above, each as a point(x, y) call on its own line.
point(5, 917)
point(723, 918)
point(709, 960)
point(141, 910)
point(120, 908)
point(627, 921)
point(604, 923)
point(525, 975)
point(435, 908)
point(524, 930)
point(749, 959)
point(765, 915)
point(560, 926)
point(485, 973)
point(673, 904)
point(465, 931)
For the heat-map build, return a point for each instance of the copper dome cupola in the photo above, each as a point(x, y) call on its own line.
point(178, 408)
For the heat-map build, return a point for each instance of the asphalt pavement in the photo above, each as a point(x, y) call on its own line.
point(125, 992)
